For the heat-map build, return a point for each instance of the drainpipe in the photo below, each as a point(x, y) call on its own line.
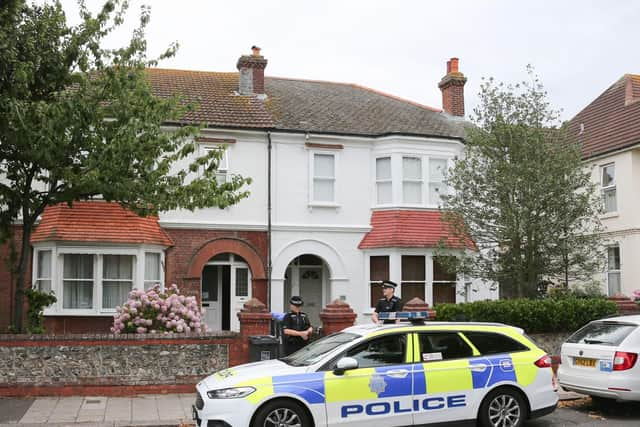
point(269, 263)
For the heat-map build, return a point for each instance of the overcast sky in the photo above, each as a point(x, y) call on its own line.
point(578, 47)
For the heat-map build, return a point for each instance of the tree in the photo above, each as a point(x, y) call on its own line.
point(523, 195)
point(78, 121)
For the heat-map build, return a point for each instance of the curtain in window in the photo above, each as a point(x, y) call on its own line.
point(412, 177)
point(383, 180)
point(378, 271)
point(613, 267)
point(117, 273)
point(151, 269)
point(43, 281)
point(437, 167)
point(77, 273)
point(324, 174)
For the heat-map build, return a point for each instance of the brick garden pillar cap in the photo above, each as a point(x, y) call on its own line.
point(254, 305)
point(416, 304)
point(338, 309)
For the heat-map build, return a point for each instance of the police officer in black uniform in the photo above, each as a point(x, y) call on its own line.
point(295, 327)
point(389, 303)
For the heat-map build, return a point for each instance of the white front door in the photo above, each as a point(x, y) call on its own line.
point(211, 297)
point(240, 292)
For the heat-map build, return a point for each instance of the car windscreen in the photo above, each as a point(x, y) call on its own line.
point(602, 333)
point(313, 352)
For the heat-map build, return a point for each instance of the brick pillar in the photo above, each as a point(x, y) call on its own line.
point(625, 304)
point(255, 319)
point(416, 304)
point(337, 316)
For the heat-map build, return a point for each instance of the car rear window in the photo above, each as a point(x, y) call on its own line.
point(493, 343)
point(602, 333)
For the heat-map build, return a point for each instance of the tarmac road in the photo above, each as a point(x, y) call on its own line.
point(584, 412)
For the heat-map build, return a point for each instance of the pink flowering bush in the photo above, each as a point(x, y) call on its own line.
point(636, 296)
point(155, 311)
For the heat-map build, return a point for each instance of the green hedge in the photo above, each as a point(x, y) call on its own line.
point(534, 316)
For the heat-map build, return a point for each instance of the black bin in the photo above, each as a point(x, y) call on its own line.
point(262, 347)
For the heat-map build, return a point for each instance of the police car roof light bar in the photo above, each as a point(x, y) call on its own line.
point(410, 316)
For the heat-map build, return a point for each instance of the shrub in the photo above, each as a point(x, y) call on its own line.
point(155, 311)
point(534, 316)
point(37, 300)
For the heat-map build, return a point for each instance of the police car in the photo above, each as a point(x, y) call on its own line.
point(388, 375)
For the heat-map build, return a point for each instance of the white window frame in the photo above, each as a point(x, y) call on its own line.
point(57, 270)
point(100, 261)
point(222, 172)
point(611, 188)
point(313, 178)
point(617, 271)
point(419, 180)
point(36, 269)
point(383, 181)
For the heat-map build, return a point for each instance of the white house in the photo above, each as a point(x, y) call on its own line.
point(609, 131)
point(345, 192)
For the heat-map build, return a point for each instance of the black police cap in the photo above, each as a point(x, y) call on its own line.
point(389, 284)
point(296, 300)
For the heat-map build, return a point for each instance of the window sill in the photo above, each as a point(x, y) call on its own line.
point(323, 205)
point(609, 215)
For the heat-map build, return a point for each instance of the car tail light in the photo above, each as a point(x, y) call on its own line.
point(623, 360)
point(543, 362)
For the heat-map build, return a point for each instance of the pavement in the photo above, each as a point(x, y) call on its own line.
point(99, 411)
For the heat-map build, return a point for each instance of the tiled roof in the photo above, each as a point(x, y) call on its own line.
point(98, 221)
point(410, 229)
point(302, 105)
point(612, 120)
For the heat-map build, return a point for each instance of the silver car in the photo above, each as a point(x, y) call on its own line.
point(601, 359)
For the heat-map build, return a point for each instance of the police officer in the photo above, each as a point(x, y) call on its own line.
point(296, 327)
point(390, 302)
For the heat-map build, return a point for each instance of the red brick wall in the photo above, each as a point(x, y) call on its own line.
point(453, 99)
point(190, 243)
point(6, 280)
point(61, 325)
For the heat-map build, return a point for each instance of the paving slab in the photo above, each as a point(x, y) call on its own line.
point(66, 410)
point(118, 409)
point(144, 408)
point(40, 411)
point(12, 410)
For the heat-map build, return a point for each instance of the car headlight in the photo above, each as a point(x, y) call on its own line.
point(230, 393)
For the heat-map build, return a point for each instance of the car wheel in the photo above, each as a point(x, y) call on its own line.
point(503, 407)
point(282, 413)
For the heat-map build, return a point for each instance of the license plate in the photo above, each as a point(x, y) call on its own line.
point(581, 361)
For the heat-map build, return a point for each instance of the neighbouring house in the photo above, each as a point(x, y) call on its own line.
point(346, 191)
point(609, 131)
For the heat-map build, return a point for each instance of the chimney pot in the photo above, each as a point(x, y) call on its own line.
point(255, 50)
point(448, 67)
point(454, 65)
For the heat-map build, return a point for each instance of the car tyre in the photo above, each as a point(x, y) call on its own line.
point(282, 412)
point(503, 407)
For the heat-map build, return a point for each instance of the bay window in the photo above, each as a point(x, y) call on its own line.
point(413, 277)
point(378, 271)
point(94, 280)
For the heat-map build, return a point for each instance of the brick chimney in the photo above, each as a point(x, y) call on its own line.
point(251, 69)
point(452, 87)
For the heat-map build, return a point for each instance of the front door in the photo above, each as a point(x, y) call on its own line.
point(211, 296)
point(311, 293)
point(378, 392)
point(241, 292)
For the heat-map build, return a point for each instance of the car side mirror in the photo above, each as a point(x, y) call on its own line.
point(345, 364)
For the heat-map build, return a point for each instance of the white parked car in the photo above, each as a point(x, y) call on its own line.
point(601, 359)
point(390, 375)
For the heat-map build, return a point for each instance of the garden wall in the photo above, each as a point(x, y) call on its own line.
point(112, 364)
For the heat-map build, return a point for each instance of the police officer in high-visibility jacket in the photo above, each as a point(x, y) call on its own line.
point(390, 302)
point(295, 327)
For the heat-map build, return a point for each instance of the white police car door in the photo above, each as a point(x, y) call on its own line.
point(378, 392)
point(443, 383)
